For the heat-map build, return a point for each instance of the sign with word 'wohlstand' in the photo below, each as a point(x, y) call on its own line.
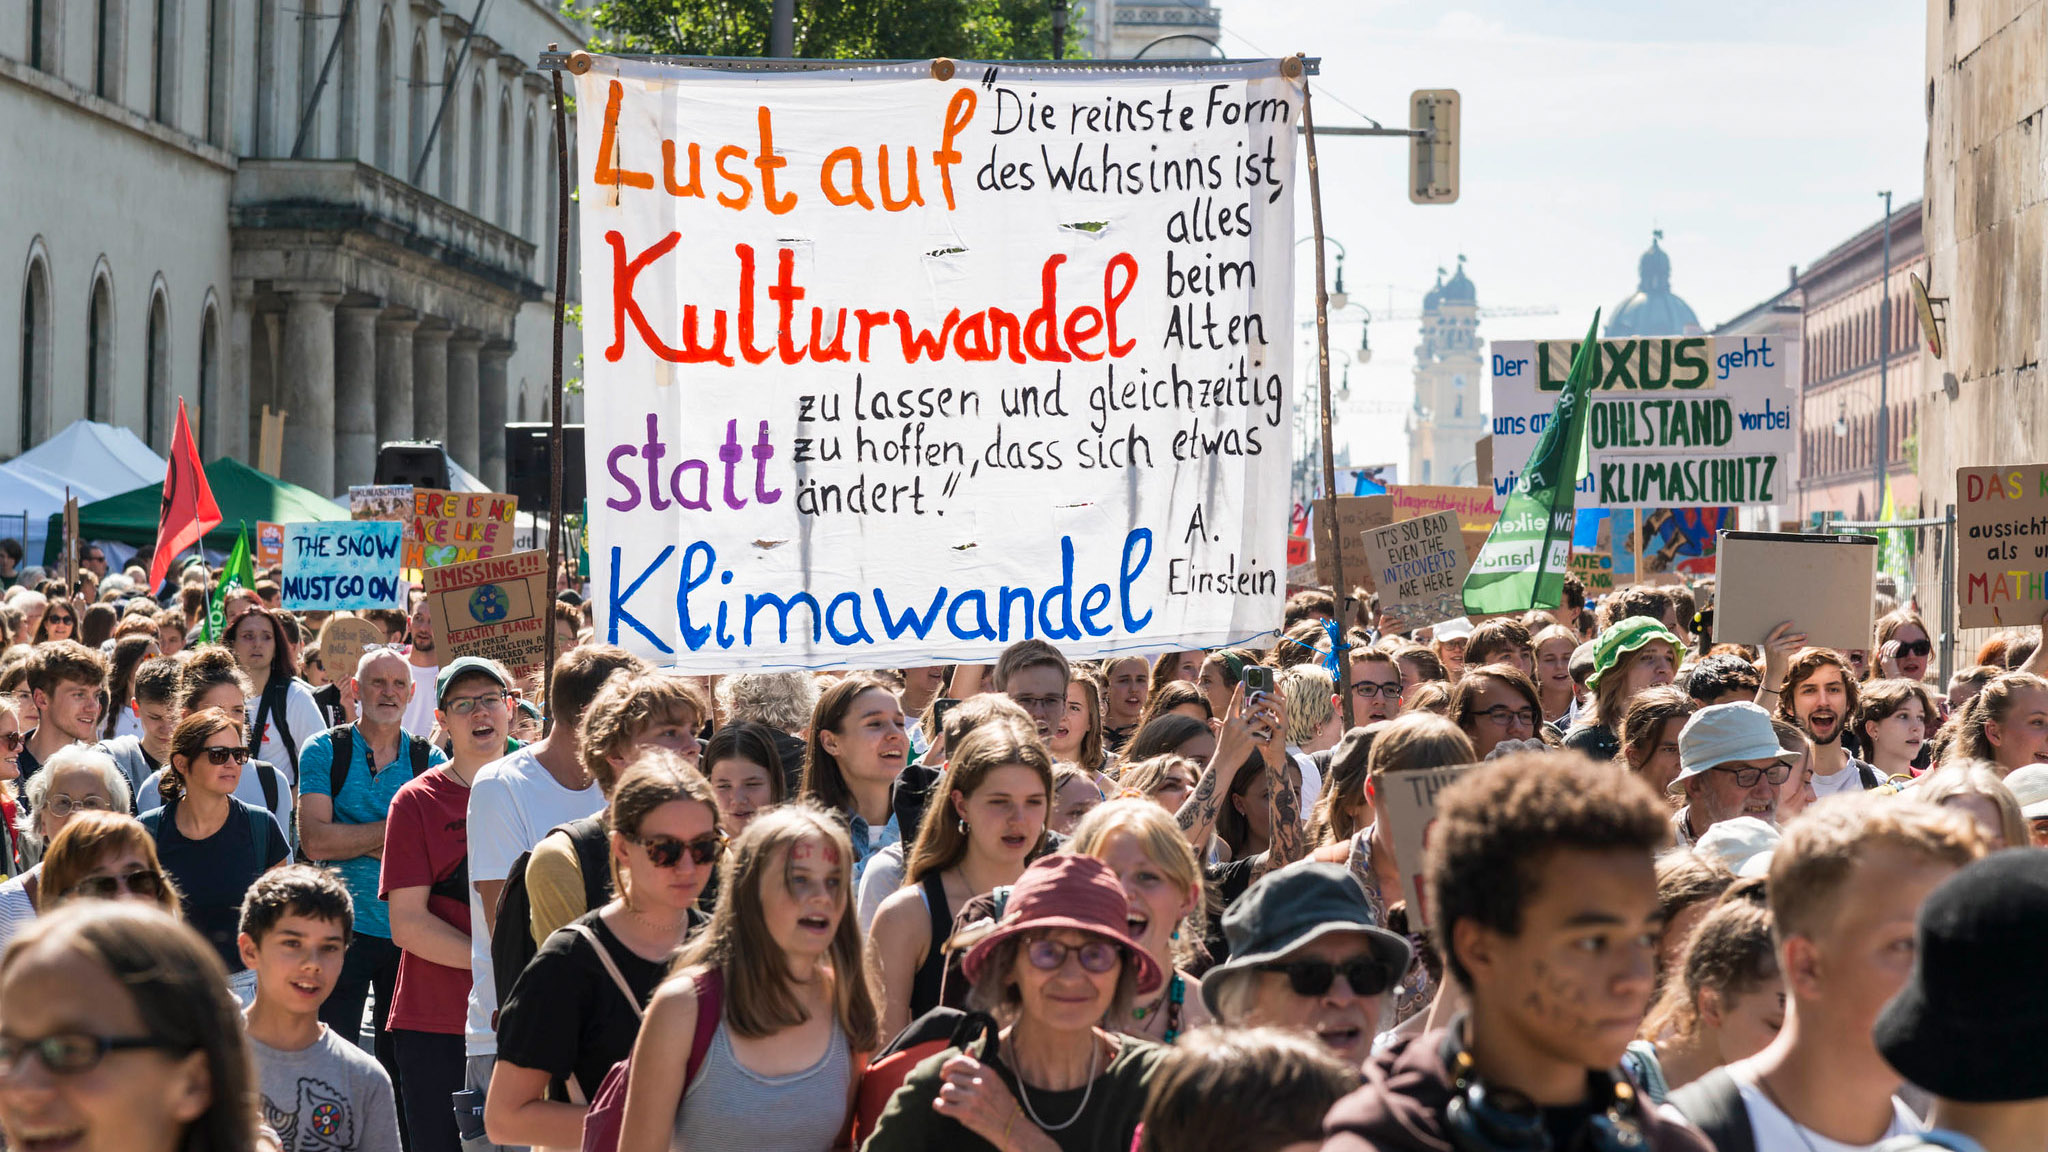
point(496, 608)
point(343, 565)
point(1420, 566)
point(2001, 545)
point(1675, 422)
point(895, 366)
point(447, 527)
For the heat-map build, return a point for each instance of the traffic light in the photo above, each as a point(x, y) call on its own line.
point(1433, 154)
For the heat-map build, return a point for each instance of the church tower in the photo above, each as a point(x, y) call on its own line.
point(1447, 421)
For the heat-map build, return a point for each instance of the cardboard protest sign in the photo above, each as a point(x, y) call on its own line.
point(1474, 506)
point(342, 565)
point(1420, 567)
point(1355, 516)
point(269, 545)
point(1674, 422)
point(942, 362)
point(2001, 542)
point(1823, 584)
point(496, 608)
point(379, 501)
point(1595, 570)
point(343, 640)
point(446, 527)
point(1407, 801)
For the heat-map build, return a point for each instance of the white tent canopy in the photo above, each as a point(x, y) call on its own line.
point(95, 460)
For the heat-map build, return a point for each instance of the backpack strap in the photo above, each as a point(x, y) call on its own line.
point(710, 985)
point(260, 823)
point(275, 699)
point(267, 776)
point(422, 752)
point(1867, 776)
point(611, 968)
point(592, 841)
point(152, 822)
point(343, 758)
point(1714, 1105)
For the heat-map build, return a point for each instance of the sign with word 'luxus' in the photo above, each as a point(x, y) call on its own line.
point(897, 365)
point(1675, 422)
point(2002, 545)
point(342, 565)
point(495, 608)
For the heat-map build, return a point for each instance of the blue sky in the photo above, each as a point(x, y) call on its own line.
point(1755, 134)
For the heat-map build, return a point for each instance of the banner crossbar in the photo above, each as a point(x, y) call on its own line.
point(557, 61)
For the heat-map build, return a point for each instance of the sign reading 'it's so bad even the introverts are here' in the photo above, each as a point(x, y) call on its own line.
point(1674, 422)
point(885, 369)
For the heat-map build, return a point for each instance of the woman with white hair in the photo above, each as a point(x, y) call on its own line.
point(74, 780)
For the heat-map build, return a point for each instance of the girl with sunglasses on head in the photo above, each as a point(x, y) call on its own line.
point(104, 856)
point(575, 1010)
point(212, 845)
point(795, 1025)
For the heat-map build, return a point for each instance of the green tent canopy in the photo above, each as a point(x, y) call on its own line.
point(243, 493)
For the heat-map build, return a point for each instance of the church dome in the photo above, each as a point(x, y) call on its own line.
point(1457, 290)
point(1652, 310)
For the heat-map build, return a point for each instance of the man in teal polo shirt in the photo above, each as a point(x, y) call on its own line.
point(341, 826)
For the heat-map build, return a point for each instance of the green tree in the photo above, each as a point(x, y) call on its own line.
point(834, 29)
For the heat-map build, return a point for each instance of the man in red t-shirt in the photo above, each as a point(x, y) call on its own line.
point(426, 884)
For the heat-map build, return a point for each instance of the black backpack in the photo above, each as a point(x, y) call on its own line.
point(274, 700)
point(343, 738)
point(1714, 1105)
point(512, 945)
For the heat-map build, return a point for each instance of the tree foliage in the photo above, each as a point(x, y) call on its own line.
point(834, 29)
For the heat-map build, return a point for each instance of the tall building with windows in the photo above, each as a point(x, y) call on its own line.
point(1447, 420)
point(1174, 29)
point(343, 210)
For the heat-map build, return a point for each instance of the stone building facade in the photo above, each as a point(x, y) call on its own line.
point(1446, 422)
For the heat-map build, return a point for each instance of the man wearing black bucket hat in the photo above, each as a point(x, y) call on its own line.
point(1967, 1025)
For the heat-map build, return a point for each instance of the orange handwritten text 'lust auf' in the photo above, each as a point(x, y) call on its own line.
point(844, 178)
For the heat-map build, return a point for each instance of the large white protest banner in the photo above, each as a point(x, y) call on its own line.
point(886, 369)
point(1675, 422)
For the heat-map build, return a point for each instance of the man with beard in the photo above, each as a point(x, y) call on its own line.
point(1819, 697)
point(1730, 764)
point(426, 667)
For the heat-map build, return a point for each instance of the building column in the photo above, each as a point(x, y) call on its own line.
point(394, 376)
point(430, 382)
point(355, 395)
point(462, 399)
point(492, 402)
point(306, 387)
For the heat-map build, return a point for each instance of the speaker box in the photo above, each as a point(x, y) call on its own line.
point(526, 466)
point(420, 463)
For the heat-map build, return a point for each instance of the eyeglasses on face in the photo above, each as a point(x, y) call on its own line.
point(1040, 703)
point(1501, 716)
point(464, 705)
point(70, 1053)
point(1778, 773)
point(1097, 956)
point(220, 756)
point(668, 851)
point(1370, 689)
point(61, 804)
point(1366, 975)
point(142, 882)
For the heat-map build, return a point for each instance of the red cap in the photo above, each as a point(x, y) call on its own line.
point(1067, 890)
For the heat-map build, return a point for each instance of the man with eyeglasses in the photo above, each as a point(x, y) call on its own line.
point(94, 561)
point(347, 777)
point(1375, 687)
point(1035, 675)
point(1729, 764)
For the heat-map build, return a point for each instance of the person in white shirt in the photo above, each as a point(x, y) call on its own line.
point(426, 667)
point(282, 712)
point(1845, 885)
point(1819, 694)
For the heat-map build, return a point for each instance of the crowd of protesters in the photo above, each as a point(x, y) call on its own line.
point(1682, 894)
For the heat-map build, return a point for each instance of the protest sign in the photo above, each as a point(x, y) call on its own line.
point(379, 501)
point(343, 640)
point(342, 565)
point(496, 608)
point(2001, 545)
point(1474, 506)
point(1408, 803)
point(1820, 583)
point(1420, 567)
point(269, 545)
point(1676, 542)
point(1355, 516)
point(447, 527)
point(1674, 422)
point(1595, 570)
point(944, 362)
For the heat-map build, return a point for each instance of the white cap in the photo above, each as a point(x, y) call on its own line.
point(1725, 733)
point(1743, 843)
point(1457, 628)
point(2029, 786)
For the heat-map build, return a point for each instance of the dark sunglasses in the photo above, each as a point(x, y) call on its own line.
point(141, 882)
point(667, 851)
point(59, 618)
point(70, 1053)
point(1915, 648)
point(1097, 956)
point(11, 741)
point(1365, 975)
point(220, 756)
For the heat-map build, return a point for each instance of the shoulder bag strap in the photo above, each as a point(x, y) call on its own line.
point(611, 968)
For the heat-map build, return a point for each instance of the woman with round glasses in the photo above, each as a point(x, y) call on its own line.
point(575, 1010)
point(120, 1036)
point(104, 856)
point(213, 845)
point(76, 779)
point(1059, 961)
point(1494, 703)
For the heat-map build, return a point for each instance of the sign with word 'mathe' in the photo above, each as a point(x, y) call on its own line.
point(447, 527)
point(343, 565)
point(2001, 545)
point(1674, 422)
point(890, 366)
point(496, 608)
point(1420, 566)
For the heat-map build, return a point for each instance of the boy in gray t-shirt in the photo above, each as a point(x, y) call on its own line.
point(321, 1093)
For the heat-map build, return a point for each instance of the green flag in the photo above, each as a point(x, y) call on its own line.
point(238, 573)
point(1528, 553)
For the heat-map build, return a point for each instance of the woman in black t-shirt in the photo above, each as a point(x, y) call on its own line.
point(575, 1010)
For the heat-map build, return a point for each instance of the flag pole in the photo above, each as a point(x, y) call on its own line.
point(1294, 68)
point(547, 672)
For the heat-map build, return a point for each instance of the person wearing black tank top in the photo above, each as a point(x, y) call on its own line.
point(998, 789)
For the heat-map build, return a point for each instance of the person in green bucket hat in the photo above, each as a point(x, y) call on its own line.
point(1631, 655)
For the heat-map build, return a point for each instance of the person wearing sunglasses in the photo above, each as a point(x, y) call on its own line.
point(1895, 718)
point(104, 856)
point(1730, 763)
point(59, 622)
point(212, 844)
point(120, 1036)
point(575, 1010)
point(1903, 646)
point(1058, 963)
point(77, 779)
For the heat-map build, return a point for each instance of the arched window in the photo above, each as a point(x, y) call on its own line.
point(37, 23)
point(209, 377)
point(311, 24)
point(99, 349)
point(385, 95)
point(349, 67)
point(416, 105)
point(106, 49)
point(479, 128)
point(163, 92)
point(503, 167)
point(216, 77)
point(450, 125)
point(530, 162)
point(266, 77)
point(34, 410)
point(156, 373)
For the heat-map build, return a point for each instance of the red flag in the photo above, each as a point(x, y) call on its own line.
point(189, 511)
